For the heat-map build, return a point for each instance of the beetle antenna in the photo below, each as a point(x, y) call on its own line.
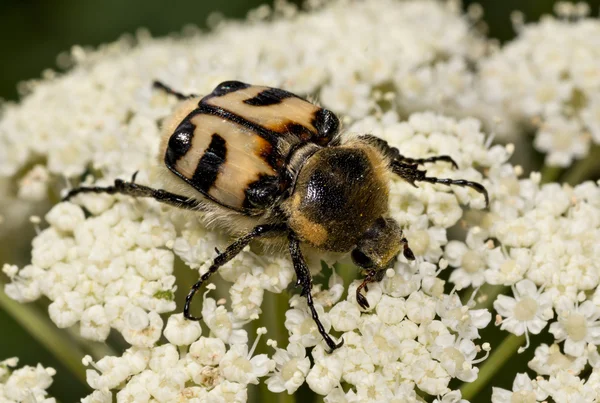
point(164, 87)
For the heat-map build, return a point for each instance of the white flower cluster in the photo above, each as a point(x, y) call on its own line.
point(111, 270)
point(26, 384)
point(548, 79)
point(414, 337)
point(546, 250)
point(109, 265)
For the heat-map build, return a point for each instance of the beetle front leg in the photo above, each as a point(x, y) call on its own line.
point(304, 279)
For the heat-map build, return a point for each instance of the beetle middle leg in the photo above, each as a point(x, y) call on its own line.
point(229, 253)
point(304, 279)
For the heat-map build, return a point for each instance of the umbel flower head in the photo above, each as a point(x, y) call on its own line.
point(107, 263)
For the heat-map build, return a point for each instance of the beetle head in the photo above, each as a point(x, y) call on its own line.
point(379, 245)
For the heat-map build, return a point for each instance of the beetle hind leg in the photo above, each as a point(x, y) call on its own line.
point(135, 190)
point(304, 279)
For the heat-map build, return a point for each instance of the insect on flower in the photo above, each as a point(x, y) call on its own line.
point(265, 163)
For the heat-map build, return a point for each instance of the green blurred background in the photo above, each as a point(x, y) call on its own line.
point(34, 32)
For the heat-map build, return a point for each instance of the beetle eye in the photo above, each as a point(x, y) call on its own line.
point(361, 259)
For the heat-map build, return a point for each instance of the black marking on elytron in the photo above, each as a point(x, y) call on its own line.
point(271, 156)
point(225, 88)
point(262, 192)
point(210, 164)
point(179, 142)
point(269, 135)
point(327, 125)
point(270, 96)
point(303, 133)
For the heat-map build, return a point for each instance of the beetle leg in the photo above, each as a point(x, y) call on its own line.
point(135, 190)
point(411, 174)
point(421, 161)
point(394, 154)
point(304, 278)
point(407, 251)
point(164, 87)
point(373, 276)
point(228, 254)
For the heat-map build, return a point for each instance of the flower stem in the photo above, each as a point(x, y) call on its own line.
point(581, 170)
point(498, 358)
point(551, 173)
point(47, 334)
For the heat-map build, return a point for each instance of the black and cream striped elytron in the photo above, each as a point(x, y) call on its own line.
point(266, 164)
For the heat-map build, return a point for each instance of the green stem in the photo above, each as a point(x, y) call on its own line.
point(47, 334)
point(582, 169)
point(551, 173)
point(493, 364)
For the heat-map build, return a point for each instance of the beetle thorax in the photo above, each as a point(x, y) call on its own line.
point(339, 193)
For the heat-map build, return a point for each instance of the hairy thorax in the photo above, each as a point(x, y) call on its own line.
point(338, 194)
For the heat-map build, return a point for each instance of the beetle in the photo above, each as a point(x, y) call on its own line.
point(266, 164)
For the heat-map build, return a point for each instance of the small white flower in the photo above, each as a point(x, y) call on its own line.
point(65, 216)
point(460, 318)
point(420, 308)
point(246, 297)
point(430, 376)
point(381, 342)
point(549, 360)
point(391, 310)
point(528, 311)
point(443, 210)
point(357, 366)
point(372, 388)
point(456, 356)
point(180, 331)
point(141, 328)
point(34, 184)
point(25, 384)
point(222, 323)
point(563, 140)
point(228, 392)
point(207, 351)
point(325, 374)
point(507, 270)
point(237, 365)
point(94, 324)
point(577, 326)
point(166, 385)
point(345, 316)
point(291, 368)
point(524, 390)
point(566, 387)
point(109, 373)
point(152, 264)
point(302, 327)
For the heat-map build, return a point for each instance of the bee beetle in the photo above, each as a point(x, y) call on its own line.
point(276, 164)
